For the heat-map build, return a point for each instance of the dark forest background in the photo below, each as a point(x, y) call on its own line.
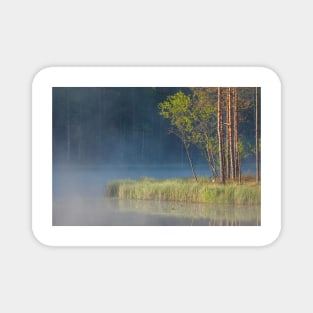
point(122, 125)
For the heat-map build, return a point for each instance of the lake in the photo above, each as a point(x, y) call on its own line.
point(79, 200)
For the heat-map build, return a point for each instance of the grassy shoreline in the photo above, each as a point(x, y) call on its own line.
point(186, 190)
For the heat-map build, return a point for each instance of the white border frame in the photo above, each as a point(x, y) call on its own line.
point(155, 235)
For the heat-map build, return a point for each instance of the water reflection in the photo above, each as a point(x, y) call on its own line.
point(196, 213)
point(78, 200)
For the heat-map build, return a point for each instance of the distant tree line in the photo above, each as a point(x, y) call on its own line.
point(125, 125)
point(112, 125)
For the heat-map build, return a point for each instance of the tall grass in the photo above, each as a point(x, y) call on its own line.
point(184, 189)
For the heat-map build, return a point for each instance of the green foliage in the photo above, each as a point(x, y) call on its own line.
point(204, 133)
point(177, 108)
point(194, 121)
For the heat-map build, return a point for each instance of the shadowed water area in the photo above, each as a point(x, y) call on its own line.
point(79, 200)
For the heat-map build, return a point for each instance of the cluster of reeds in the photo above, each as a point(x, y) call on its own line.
point(184, 189)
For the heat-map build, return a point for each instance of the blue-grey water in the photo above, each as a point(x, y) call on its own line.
point(79, 199)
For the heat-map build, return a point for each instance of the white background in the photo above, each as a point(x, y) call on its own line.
point(262, 235)
point(36, 34)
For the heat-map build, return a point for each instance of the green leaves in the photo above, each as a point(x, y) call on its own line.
point(178, 109)
point(193, 117)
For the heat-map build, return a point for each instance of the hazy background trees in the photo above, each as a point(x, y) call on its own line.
point(125, 125)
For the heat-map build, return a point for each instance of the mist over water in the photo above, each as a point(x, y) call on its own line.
point(79, 199)
point(102, 134)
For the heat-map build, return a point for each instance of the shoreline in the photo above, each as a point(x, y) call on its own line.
point(186, 190)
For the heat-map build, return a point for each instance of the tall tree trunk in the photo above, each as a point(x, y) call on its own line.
point(68, 128)
point(239, 169)
point(257, 170)
point(235, 133)
point(190, 162)
point(227, 137)
point(230, 133)
point(211, 161)
point(236, 143)
point(220, 135)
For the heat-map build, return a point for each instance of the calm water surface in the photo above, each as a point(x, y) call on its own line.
point(79, 199)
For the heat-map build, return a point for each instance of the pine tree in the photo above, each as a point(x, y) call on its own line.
point(237, 170)
point(230, 133)
point(220, 134)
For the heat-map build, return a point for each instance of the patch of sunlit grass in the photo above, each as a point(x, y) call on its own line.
point(187, 190)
